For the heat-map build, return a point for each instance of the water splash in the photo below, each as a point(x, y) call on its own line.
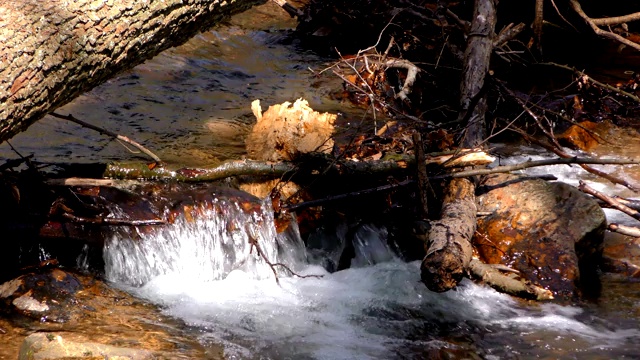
point(206, 248)
point(202, 272)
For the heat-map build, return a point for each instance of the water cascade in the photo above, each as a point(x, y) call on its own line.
point(203, 272)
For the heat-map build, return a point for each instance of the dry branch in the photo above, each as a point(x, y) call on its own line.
point(254, 244)
point(593, 23)
point(609, 200)
point(586, 78)
point(558, 151)
point(536, 163)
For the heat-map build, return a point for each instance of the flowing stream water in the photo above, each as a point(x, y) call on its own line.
point(192, 105)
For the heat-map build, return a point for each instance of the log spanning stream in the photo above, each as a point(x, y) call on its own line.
point(191, 105)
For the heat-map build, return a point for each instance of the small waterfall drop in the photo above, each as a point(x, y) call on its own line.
point(204, 248)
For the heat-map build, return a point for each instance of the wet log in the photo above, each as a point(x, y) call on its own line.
point(53, 51)
point(506, 284)
point(448, 247)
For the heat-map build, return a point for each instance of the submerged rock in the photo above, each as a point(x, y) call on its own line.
point(58, 346)
point(551, 232)
point(54, 314)
point(621, 255)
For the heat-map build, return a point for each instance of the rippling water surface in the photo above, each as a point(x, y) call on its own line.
point(191, 105)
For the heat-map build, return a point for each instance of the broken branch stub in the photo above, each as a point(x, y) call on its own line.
point(448, 246)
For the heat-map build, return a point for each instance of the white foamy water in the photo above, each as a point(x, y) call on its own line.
point(379, 309)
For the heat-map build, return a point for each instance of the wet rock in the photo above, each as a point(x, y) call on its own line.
point(43, 296)
point(621, 255)
point(55, 314)
point(583, 136)
point(550, 232)
point(59, 346)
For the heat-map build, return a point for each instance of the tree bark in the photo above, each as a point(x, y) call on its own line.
point(52, 51)
point(448, 245)
point(473, 101)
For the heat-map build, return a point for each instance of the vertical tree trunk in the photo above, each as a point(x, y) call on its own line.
point(473, 101)
point(51, 51)
point(448, 244)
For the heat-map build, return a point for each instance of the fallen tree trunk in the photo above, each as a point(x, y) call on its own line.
point(53, 51)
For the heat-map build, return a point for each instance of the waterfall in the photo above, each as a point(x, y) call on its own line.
point(205, 248)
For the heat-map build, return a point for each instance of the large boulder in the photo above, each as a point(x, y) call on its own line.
point(550, 232)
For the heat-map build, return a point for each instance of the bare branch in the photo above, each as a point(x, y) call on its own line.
point(593, 23)
point(609, 200)
point(109, 133)
point(506, 284)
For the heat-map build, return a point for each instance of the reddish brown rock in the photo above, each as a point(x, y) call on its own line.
point(550, 232)
point(583, 136)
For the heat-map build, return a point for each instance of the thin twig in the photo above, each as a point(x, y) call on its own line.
point(609, 200)
point(558, 151)
point(593, 23)
point(462, 174)
point(254, 244)
point(589, 78)
point(109, 133)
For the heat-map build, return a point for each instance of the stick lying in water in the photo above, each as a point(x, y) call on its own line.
point(625, 230)
point(506, 284)
point(109, 133)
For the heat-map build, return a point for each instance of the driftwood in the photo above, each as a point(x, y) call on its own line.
point(506, 284)
point(625, 230)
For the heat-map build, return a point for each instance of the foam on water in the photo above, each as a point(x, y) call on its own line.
point(379, 309)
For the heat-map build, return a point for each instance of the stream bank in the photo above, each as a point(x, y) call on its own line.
point(376, 309)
